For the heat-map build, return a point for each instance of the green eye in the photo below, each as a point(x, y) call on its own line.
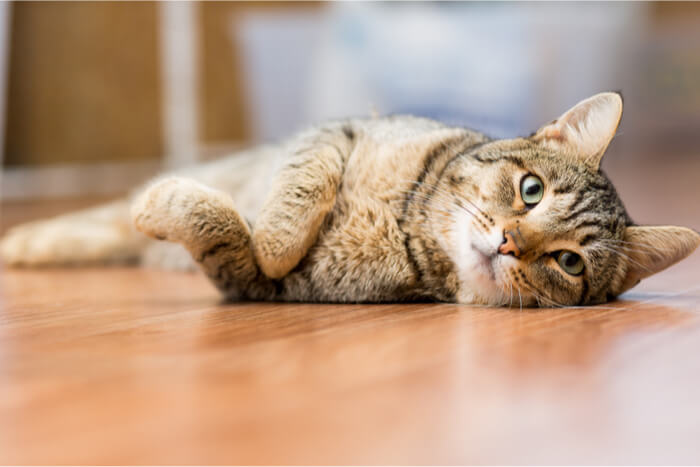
point(531, 189)
point(570, 262)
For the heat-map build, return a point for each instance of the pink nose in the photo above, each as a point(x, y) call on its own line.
point(509, 247)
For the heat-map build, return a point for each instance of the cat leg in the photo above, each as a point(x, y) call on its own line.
point(302, 194)
point(207, 224)
point(99, 235)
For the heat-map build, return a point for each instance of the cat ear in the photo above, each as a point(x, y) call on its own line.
point(586, 129)
point(653, 249)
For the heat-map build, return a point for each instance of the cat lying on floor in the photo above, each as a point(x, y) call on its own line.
point(383, 210)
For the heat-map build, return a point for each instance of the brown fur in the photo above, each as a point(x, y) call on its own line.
point(403, 208)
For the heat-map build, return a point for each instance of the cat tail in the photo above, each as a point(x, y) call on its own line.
point(99, 235)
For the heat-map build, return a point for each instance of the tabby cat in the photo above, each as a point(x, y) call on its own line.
point(383, 210)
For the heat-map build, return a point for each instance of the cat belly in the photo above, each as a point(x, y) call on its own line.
point(359, 256)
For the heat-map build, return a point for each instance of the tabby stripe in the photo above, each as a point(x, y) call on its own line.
point(587, 239)
point(584, 291)
point(615, 224)
point(515, 160)
point(412, 258)
point(348, 132)
point(458, 153)
point(220, 270)
point(213, 250)
point(577, 201)
point(427, 165)
point(428, 162)
point(578, 212)
point(598, 186)
point(565, 188)
point(590, 223)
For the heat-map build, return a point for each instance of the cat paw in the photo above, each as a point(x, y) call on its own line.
point(34, 244)
point(168, 208)
point(158, 209)
point(13, 245)
point(57, 242)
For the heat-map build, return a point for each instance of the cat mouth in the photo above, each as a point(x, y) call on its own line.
point(485, 263)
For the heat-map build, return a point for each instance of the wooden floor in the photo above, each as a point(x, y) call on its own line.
point(134, 366)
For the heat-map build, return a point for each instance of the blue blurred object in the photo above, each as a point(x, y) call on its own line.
point(500, 68)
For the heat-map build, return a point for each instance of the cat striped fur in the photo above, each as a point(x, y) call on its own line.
point(400, 209)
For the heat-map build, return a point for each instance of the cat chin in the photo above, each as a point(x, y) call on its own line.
point(475, 257)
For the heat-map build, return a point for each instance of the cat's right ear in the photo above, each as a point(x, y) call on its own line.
point(586, 129)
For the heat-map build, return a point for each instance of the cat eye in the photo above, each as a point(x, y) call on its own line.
point(570, 262)
point(531, 190)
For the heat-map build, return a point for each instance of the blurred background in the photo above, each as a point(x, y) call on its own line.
point(99, 96)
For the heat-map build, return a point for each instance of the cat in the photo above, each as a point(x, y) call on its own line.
point(387, 210)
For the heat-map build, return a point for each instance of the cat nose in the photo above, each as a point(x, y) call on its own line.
point(508, 246)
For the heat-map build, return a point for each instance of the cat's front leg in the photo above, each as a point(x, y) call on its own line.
point(302, 195)
point(207, 224)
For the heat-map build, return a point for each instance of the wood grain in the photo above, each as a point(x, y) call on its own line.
point(135, 366)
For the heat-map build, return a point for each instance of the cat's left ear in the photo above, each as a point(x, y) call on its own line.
point(586, 129)
point(651, 249)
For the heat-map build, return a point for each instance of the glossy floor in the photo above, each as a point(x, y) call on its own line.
point(130, 366)
point(136, 366)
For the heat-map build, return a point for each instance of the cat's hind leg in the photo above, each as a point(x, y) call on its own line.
point(99, 235)
point(207, 224)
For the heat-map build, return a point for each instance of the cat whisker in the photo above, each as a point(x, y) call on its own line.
point(619, 253)
point(510, 303)
point(540, 296)
point(421, 196)
point(465, 199)
point(521, 298)
point(438, 190)
point(439, 206)
point(514, 279)
point(442, 201)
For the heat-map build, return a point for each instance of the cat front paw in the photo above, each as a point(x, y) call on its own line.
point(14, 245)
point(35, 244)
point(61, 242)
point(155, 211)
point(169, 208)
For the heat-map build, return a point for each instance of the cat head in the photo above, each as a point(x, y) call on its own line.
point(538, 222)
